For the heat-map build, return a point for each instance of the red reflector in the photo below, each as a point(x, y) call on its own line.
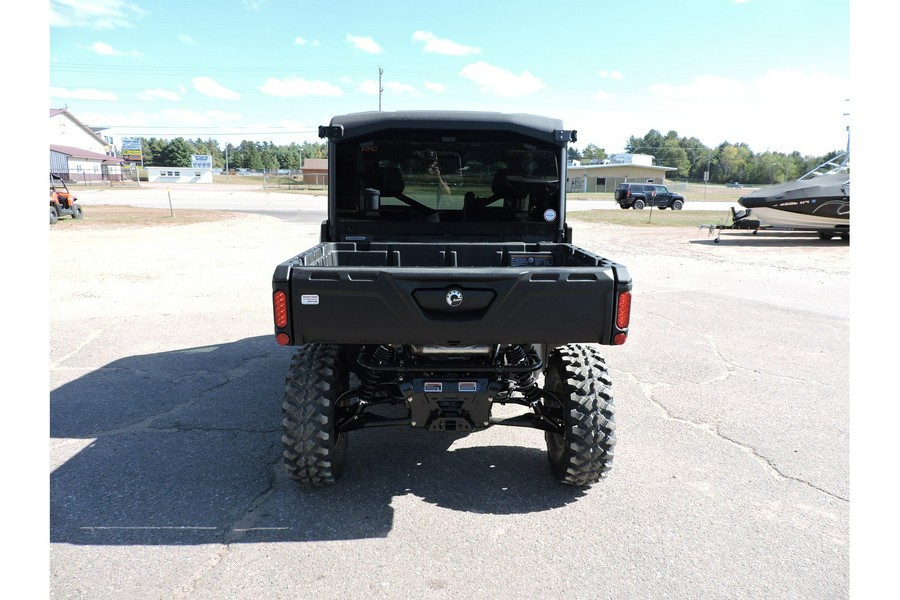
point(283, 339)
point(279, 302)
point(619, 339)
point(623, 310)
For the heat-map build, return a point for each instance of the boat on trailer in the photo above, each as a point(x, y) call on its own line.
point(818, 201)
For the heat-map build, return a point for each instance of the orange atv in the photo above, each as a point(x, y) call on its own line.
point(62, 201)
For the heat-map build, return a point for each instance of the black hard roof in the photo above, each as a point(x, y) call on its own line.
point(356, 124)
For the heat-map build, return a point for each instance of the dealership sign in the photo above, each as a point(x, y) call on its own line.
point(201, 161)
point(131, 150)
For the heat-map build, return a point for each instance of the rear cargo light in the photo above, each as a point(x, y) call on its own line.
point(623, 310)
point(619, 339)
point(279, 303)
point(283, 339)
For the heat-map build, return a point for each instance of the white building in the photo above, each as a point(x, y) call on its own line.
point(77, 153)
point(179, 175)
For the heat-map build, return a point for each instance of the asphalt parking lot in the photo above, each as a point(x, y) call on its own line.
point(731, 477)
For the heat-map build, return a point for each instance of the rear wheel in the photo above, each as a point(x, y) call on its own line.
point(54, 214)
point(314, 452)
point(638, 205)
point(582, 454)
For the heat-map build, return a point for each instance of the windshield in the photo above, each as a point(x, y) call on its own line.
point(466, 175)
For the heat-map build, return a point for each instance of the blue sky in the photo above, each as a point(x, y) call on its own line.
point(770, 73)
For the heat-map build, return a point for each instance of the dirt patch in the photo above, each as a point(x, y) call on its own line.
point(129, 217)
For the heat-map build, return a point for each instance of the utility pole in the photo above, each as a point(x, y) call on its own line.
point(380, 89)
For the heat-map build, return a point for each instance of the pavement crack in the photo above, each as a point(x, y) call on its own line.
point(238, 530)
point(713, 429)
point(234, 533)
point(188, 588)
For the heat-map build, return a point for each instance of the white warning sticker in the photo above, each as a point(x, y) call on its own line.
point(309, 299)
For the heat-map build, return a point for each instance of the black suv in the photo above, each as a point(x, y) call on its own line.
point(639, 195)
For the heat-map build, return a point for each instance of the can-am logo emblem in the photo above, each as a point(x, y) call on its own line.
point(454, 297)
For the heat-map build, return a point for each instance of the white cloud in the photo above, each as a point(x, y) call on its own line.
point(297, 86)
point(501, 82)
point(96, 14)
point(610, 74)
point(193, 118)
point(299, 41)
point(443, 46)
point(119, 120)
point(186, 39)
point(104, 49)
point(82, 94)
point(210, 87)
point(221, 115)
point(400, 88)
point(158, 94)
point(766, 113)
point(704, 87)
point(436, 87)
point(366, 44)
point(368, 86)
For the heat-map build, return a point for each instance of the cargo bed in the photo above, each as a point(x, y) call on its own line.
point(450, 294)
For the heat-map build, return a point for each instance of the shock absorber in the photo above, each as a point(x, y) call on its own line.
point(526, 381)
point(368, 387)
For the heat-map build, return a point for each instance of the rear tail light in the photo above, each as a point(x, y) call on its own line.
point(623, 310)
point(279, 305)
point(623, 317)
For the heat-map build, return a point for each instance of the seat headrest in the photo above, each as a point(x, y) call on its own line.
point(389, 181)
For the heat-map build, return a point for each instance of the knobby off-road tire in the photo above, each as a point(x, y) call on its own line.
point(577, 375)
point(313, 452)
point(54, 215)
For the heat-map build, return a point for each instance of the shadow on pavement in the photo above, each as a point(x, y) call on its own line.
point(186, 449)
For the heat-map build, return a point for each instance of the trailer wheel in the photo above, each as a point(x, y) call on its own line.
point(54, 215)
point(638, 205)
point(577, 375)
point(314, 452)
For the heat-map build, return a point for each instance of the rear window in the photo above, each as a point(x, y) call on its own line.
point(395, 174)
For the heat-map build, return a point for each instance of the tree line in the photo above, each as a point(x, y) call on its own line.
point(691, 158)
point(257, 156)
point(725, 163)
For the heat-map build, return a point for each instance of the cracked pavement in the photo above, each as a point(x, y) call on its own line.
point(731, 476)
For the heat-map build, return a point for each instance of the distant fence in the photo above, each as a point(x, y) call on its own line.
point(294, 180)
point(124, 177)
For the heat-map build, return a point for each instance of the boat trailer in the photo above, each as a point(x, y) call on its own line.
point(740, 220)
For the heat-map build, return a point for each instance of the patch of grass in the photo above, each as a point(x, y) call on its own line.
point(658, 218)
point(118, 217)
